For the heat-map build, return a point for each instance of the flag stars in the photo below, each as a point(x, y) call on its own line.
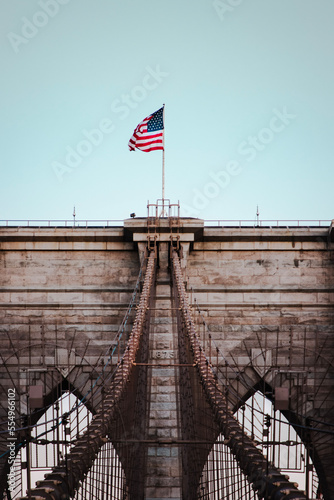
point(156, 121)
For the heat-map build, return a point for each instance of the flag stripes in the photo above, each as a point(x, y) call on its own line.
point(149, 134)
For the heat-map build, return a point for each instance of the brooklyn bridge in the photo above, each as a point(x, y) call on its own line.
point(166, 358)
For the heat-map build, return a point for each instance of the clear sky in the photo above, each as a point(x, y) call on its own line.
point(248, 92)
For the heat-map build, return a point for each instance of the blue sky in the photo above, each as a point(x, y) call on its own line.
point(248, 93)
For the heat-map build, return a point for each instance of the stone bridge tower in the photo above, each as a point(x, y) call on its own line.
point(262, 298)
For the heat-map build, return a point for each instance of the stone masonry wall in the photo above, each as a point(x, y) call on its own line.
point(63, 295)
point(266, 295)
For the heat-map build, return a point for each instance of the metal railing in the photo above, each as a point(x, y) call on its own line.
point(105, 223)
point(269, 223)
point(67, 223)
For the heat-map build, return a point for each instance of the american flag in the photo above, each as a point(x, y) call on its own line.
point(149, 134)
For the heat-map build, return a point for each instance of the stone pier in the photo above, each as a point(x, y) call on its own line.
point(163, 461)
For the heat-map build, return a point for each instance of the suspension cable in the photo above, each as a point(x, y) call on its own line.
point(266, 479)
point(65, 479)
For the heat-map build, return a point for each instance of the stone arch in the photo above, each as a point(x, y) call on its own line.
point(268, 426)
point(78, 376)
point(311, 401)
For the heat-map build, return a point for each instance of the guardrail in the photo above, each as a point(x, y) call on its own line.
point(268, 223)
point(62, 223)
point(103, 223)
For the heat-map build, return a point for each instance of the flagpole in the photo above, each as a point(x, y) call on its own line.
point(163, 163)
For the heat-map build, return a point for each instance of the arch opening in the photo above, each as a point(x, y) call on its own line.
point(279, 442)
point(51, 439)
